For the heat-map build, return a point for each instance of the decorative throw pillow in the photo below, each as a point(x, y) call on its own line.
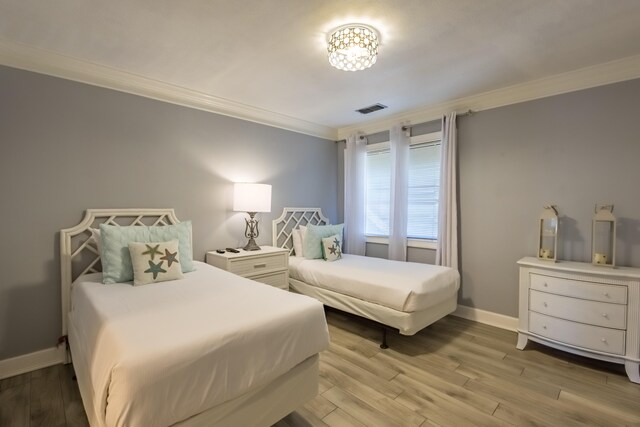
point(332, 248)
point(313, 239)
point(115, 256)
point(155, 262)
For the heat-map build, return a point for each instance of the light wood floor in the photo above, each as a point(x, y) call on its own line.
point(454, 373)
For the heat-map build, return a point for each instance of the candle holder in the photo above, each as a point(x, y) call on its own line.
point(603, 237)
point(548, 234)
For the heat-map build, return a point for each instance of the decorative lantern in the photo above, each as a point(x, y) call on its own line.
point(603, 237)
point(548, 233)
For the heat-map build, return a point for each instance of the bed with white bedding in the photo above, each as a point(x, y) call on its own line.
point(404, 295)
point(211, 348)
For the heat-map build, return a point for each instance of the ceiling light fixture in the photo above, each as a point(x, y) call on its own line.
point(353, 47)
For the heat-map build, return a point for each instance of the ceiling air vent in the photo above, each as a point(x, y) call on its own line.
point(371, 108)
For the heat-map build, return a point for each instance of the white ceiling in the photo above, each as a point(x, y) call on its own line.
point(271, 54)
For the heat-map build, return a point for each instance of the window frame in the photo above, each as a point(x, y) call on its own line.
point(433, 137)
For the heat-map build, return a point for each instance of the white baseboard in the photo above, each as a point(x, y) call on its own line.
point(32, 361)
point(487, 317)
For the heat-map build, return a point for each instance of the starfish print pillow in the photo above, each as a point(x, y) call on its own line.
point(155, 262)
point(332, 248)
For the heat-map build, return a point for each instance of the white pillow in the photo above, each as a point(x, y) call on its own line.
point(303, 236)
point(95, 236)
point(155, 262)
point(298, 240)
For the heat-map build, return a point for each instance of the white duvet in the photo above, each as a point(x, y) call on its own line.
point(162, 352)
point(402, 286)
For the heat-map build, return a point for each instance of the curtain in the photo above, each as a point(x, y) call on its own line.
point(447, 249)
point(398, 214)
point(354, 193)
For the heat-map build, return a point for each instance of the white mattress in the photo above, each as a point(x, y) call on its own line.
point(402, 286)
point(162, 352)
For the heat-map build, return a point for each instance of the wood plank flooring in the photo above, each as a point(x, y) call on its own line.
point(454, 373)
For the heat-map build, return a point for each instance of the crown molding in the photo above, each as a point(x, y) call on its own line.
point(584, 78)
point(46, 62)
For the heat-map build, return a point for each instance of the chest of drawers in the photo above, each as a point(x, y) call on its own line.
point(583, 309)
point(268, 265)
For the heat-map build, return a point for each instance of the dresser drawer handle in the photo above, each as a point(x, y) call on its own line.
point(259, 265)
point(606, 294)
point(544, 326)
point(604, 340)
point(545, 284)
point(605, 315)
point(544, 303)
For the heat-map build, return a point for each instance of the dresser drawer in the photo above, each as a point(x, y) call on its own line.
point(248, 265)
point(579, 289)
point(579, 310)
point(578, 334)
point(279, 279)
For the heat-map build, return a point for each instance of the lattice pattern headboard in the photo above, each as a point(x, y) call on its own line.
point(78, 250)
point(292, 218)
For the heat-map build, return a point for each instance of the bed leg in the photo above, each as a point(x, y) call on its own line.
point(384, 338)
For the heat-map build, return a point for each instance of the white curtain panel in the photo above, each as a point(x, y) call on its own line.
point(447, 249)
point(354, 188)
point(398, 216)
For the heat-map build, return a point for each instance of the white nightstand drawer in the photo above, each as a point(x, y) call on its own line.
point(578, 334)
point(279, 279)
point(579, 310)
point(579, 289)
point(253, 265)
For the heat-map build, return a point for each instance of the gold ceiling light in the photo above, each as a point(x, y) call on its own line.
point(353, 47)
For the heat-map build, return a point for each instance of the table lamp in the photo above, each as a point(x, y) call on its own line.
point(251, 198)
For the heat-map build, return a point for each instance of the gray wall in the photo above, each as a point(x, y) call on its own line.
point(67, 147)
point(573, 150)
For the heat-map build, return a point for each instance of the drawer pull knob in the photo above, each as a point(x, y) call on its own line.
point(605, 315)
point(606, 294)
point(544, 326)
point(259, 265)
point(545, 284)
point(544, 303)
point(604, 340)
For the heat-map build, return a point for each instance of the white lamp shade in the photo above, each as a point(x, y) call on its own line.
point(251, 197)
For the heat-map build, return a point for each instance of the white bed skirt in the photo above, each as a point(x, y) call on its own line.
point(408, 323)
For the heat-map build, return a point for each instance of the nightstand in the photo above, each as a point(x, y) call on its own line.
point(268, 265)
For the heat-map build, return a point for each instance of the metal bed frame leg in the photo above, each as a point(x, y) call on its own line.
point(384, 338)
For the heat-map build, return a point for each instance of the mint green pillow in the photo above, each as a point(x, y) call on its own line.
point(314, 236)
point(115, 256)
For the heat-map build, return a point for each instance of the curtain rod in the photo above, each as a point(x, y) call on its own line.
point(466, 113)
point(344, 140)
point(405, 128)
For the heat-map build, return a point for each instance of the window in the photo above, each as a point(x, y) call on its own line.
point(424, 184)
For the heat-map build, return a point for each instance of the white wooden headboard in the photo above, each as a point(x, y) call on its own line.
point(292, 218)
point(78, 250)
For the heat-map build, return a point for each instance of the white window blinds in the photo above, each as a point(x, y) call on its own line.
point(424, 182)
point(378, 192)
point(424, 186)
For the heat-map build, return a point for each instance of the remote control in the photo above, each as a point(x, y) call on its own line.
point(220, 251)
point(235, 251)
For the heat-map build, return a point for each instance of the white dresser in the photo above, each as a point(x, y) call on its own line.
point(583, 309)
point(268, 265)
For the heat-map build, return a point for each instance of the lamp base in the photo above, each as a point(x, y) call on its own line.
point(251, 245)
